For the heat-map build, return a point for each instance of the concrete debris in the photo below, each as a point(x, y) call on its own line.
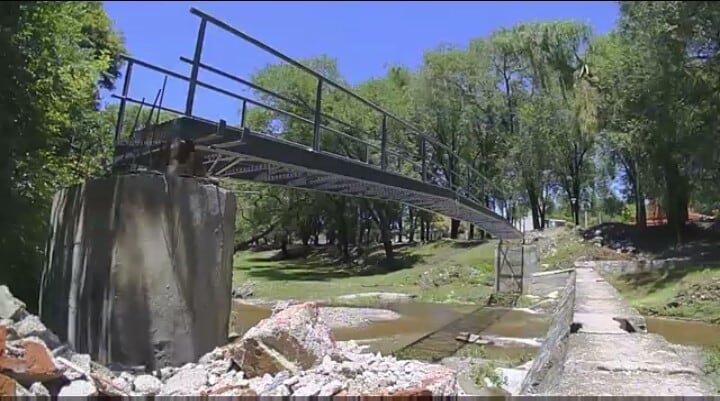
point(291, 353)
point(82, 388)
point(147, 384)
point(10, 307)
point(244, 290)
point(186, 382)
point(291, 339)
point(38, 389)
point(31, 326)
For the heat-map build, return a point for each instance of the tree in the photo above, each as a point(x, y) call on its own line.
point(56, 57)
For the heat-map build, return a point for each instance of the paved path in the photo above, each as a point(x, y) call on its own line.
point(604, 359)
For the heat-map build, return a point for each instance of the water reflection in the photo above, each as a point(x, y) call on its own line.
point(685, 332)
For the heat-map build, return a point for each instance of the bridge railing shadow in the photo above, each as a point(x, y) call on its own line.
point(423, 158)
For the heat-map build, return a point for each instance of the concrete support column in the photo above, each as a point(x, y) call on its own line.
point(139, 268)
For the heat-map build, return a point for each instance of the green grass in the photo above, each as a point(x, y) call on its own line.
point(319, 277)
point(665, 292)
point(712, 365)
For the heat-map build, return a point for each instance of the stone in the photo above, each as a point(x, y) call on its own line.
point(38, 389)
point(10, 307)
point(166, 372)
point(308, 390)
point(291, 339)
point(33, 363)
point(122, 384)
point(185, 382)
point(331, 388)
point(244, 290)
point(81, 361)
point(82, 388)
point(512, 379)
point(8, 386)
point(279, 391)
point(7, 326)
point(31, 326)
point(147, 384)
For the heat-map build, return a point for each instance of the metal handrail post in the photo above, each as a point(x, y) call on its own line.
point(318, 116)
point(383, 142)
point(195, 67)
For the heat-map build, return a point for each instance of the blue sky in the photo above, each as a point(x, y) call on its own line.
point(364, 37)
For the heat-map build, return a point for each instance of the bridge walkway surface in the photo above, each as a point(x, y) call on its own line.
point(605, 359)
point(387, 159)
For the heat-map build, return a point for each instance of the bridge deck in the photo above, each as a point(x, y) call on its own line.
point(242, 154)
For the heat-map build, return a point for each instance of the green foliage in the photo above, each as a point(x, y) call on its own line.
point(486, 370)
point(56, 57)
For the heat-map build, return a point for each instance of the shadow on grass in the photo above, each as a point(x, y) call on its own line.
point(462, 244)
point(701, 244)
point(323, 268)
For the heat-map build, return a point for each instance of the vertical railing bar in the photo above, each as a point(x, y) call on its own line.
point(242, 113)
point(195, 67)
point(318, 117)
point(383, 142)
point(121, 109)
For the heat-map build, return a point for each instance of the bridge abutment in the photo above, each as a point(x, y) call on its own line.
point(139, 268)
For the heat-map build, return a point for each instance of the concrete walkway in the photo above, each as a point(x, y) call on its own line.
point(605, 359)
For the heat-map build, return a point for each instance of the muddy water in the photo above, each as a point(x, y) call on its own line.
point(684, 332)
point(429, 329)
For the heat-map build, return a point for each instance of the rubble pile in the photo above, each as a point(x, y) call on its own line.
point(290, 353)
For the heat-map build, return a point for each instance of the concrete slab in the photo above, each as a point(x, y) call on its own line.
point(604, 359)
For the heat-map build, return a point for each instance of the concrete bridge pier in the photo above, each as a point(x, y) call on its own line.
point(139, 268)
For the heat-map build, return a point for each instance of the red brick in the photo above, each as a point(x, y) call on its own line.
point(35, 364)
point(3, 335)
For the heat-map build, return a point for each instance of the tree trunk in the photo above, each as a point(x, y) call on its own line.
point(454, 228)
point(400, 226)
point(427, 230)
point(411, 234)
point(284, 246)
point(471, 232)
point(422, 228)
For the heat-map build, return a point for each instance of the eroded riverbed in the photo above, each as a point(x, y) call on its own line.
point(426, 330)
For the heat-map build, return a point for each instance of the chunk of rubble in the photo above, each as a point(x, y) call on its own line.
point(82, 388)
point(10, 307)
point(292, 339)
point(30, 362)
point(8, 386)
point(185, 382)
point(39, 389)
point(147, 385)
point(31, 326)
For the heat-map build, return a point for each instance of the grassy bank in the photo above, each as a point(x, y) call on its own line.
point(685, 293)
point(443, 271)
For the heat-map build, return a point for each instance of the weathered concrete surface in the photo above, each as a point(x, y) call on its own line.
point(547, 365)
point(139, 268)
point(603, 359)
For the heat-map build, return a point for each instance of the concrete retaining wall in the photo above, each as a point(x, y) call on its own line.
point(548, 363)
point(139, 268)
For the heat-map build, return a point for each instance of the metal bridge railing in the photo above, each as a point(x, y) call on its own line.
point(432, 161)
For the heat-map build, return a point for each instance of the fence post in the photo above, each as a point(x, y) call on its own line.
point(383, 142)
point(195, 68)
point(317, 122)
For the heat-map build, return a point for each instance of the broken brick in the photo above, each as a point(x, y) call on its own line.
point(34, 364)
point(8, 386)
point(3, 334)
